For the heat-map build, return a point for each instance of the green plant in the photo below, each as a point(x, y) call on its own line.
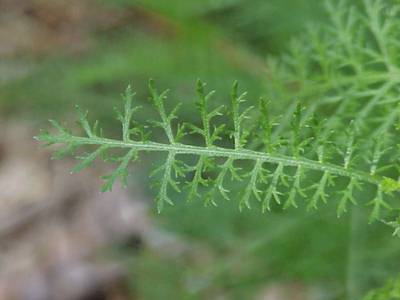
point(391, 291)
point(292, 156)
point(340, 140)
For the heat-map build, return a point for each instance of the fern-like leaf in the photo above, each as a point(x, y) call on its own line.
point(341, 132)
point(270, 170)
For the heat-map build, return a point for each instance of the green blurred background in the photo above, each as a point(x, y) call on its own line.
point(55, 54)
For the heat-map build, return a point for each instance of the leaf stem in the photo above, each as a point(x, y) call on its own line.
point(242, 154)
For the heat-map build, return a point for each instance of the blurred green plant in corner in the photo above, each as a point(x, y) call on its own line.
point(391, 291)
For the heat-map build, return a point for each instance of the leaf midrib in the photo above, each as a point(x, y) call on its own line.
point(215, 151)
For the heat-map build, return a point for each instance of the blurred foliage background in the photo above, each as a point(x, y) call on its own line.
point(59, 53)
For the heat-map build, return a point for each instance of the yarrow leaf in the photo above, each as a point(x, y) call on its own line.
point(338, 138)
point(269, 173)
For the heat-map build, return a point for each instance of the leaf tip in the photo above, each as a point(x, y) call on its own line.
point(390, 185)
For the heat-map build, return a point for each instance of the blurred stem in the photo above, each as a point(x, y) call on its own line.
point(354, 265)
